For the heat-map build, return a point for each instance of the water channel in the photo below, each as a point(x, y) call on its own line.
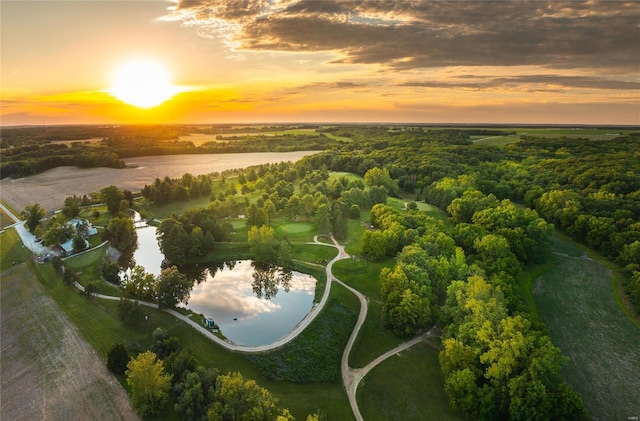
point(251, 305)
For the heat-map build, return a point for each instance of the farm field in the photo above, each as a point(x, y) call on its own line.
point(48, 371)
point(50, 188)
point(548, 132)
point(576, 302)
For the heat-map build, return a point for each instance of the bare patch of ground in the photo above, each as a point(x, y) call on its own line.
point(47, 371)
point(50, 188)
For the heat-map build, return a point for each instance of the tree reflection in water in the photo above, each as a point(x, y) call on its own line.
point(267, 278)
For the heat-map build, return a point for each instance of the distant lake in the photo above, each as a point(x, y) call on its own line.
point(251, 305)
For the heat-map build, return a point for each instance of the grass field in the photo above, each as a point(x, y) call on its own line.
point(301, 231)
point(312, 253)
point(87, 265)
point(549, 132)
point(575, 299)
point(12, 250)
point(407, 386)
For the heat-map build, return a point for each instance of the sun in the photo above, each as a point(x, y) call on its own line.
point(143, 83)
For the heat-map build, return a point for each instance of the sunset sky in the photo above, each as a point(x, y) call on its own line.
point(245, 61)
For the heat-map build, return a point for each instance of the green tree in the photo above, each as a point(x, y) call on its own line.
point(111, 196)
point(173, 240)
point(172, 287)
point(338, 223)
point(284, 255)
point(269, 209)
point(190, 401)
point(117, 359)
point(58, 233)
point(32, 215)
point(323, 219)
point(238, 399)
point(79, 243)
point(263, 244)
point(71, 207)
point(255, 216)
point(110, 271)
point(354, 211)
point(149, 384)
point(121, 233)
point(380, 177)
point(129, 312)
point(373, 245)
point(406, 304)
point(294, 205)
point(70, 276)
point(308, 205)
point(90, 289)
point(141, 284)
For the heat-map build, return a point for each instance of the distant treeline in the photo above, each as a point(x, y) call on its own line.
point(28, 151)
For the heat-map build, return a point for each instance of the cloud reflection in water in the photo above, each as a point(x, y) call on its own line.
point(231, 293)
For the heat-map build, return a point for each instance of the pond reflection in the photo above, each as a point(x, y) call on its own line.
point(247, 303)
point(252, 305)
point(266, 279)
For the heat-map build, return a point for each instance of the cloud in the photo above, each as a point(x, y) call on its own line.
point(334, 85)
point(420, 34)
point(544, 82)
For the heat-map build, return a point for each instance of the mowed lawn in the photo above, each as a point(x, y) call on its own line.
point(575, 299)
point(408, 386)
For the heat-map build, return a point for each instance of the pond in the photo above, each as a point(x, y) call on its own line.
point(251, 305)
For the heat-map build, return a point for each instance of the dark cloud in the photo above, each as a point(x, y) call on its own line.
point(416, 34)
point(467, 82)
point(334, 85)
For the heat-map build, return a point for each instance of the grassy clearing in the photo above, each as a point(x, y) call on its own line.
point(549, 132)
point(374, 339)
point(103, 215)
point(313, 253)
point(576, 301)
point(408, 386)
point(337, 174)
point(13, 251)
point(88, 266)
point(355, 228)
point(302, 231)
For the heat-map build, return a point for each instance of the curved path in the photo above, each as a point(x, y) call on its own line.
point(351, 377)
point(310, 317)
